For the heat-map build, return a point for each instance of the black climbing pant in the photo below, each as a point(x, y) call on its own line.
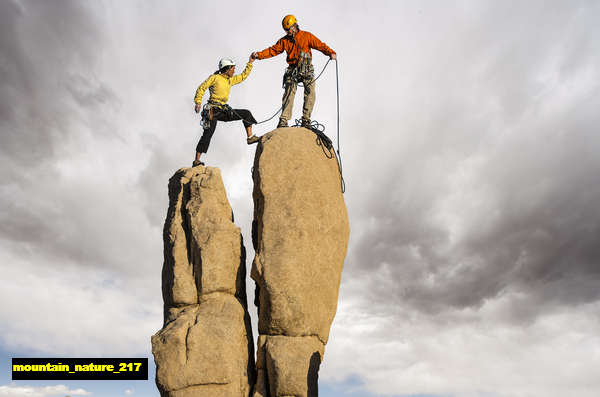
point(223, 114)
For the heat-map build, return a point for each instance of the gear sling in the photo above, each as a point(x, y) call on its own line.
point(213, 112)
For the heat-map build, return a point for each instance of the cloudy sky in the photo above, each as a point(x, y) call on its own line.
point(469, 135)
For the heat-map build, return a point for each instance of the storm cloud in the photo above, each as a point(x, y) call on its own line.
point(471, 160)
point(498, 190)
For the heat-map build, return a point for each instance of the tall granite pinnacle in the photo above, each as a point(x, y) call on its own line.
point(205, 347)
point(300, 236)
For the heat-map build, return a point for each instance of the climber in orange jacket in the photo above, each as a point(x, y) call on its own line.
point(297, 44)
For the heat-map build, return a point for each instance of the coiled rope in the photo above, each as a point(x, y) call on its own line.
point(323, 140)
point(318, 128)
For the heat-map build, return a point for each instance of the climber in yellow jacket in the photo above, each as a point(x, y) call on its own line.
point(219, 84)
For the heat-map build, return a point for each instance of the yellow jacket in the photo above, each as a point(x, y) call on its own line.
point(219, 86)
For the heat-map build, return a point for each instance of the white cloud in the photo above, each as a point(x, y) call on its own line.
point(467, 351)
point(45, 391)
point(68, 310)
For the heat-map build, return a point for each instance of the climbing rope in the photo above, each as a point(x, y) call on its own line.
point(339, 156)
point(326, 144)
point(322, 139)
point(270, 118)
point(315, 79)
point(319, 129)
point(281, 107)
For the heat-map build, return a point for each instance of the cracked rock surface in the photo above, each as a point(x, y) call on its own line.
point(205, 347)
point(300, 235)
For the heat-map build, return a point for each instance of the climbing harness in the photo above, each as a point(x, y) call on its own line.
point(319, 129)
point(281, 107)
point(302, 72)
point(304, 67)
point(208, 112)
point(207, 115)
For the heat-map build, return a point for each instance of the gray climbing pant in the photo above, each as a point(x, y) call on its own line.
point(289, 93)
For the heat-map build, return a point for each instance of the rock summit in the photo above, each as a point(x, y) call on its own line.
point(300, 235)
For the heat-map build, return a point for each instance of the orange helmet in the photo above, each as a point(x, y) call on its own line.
point(288, 21)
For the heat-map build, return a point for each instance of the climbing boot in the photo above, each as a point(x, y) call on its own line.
point(197, 163)
point(282, 123)
point(252, 139)
point(305, 123)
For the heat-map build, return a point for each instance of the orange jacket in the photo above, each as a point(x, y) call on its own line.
point(303, 41)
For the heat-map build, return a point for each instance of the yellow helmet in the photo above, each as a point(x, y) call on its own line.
point(288, 21)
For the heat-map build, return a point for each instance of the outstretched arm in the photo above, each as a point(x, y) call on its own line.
point(238, 78)
point(317, 44)
point(275, 49)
